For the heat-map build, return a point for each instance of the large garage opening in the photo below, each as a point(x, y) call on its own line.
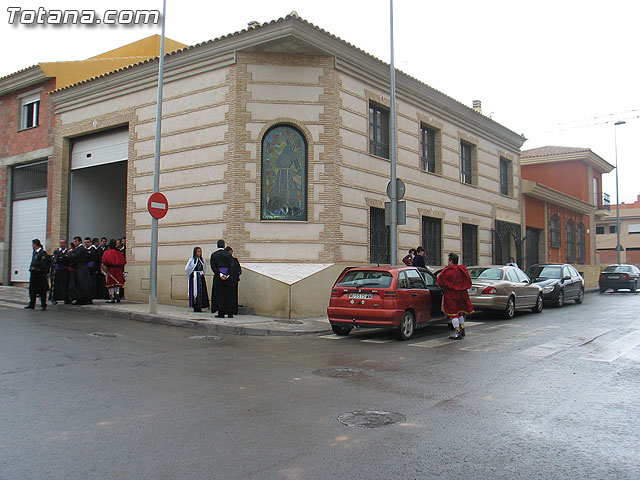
point(98, 193)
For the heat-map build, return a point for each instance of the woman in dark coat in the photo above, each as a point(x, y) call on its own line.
point(234, 273)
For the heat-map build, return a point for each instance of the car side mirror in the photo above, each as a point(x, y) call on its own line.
point(566, 278)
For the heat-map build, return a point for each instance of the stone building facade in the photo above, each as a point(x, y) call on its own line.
point(226, 101)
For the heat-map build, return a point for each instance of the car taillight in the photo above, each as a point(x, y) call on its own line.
point(335, 293)
point(625, 277)
point(601, 276)
point(489, 291)
point(390, 293)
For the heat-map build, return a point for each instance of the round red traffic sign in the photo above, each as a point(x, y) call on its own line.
point(158, 205)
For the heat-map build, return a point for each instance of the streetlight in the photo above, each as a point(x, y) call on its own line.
point(615, 137)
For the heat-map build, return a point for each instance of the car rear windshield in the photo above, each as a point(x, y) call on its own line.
point(366, 278)
point(545, 272)
point(485, 273)
point(618, 269)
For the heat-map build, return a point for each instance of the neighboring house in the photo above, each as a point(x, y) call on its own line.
point(606, 236)
point(563, 199)
point(276, 138)
point(26, 146)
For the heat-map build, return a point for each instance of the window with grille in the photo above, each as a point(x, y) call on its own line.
point(599, 230)
point(378, 131)
point(428, 148)
point(505, 168)
point(465, 163)
point(432, 240)
point(612, 229)
point(582, 243)
point(29, 181)
point(380, 236)
point(469, 244)
point(571, 240)
point(554, 231)
point(533, 246)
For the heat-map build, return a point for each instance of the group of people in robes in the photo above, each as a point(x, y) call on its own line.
point(226, 275)
point(89, 269)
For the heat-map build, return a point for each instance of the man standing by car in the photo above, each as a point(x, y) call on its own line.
point(419, 259)
point(455, 281)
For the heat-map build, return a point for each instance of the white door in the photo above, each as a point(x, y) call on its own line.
point(28, 221)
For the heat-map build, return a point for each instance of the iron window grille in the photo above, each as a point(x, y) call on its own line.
point(432, 240)
point(582, 243)
point(554, 231)
point(29, 181)
point(380, 237)
point(504, 176)
point(469, 244)
point(571, 240)
point(378, 131)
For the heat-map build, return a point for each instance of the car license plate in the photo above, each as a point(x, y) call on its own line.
point(614, 276)
point(472, 290)
point(364, 296)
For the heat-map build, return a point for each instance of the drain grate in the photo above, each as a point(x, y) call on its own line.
point(105, 334)
point(206, 338)
point(338, 372)
point(370, 419)
point(288, 322)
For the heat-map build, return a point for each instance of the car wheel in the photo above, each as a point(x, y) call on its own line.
point(539, 305)
point(580, 298)
point(635, 287)
point(407, 326)
point(510, 311)
point(340, 330)
point(560, 300)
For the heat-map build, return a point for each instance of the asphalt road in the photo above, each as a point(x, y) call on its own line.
point(545, 396)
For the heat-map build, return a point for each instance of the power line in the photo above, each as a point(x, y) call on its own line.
point(604, 119)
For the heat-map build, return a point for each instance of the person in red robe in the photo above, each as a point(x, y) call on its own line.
point(455, 281)
point(113, 263)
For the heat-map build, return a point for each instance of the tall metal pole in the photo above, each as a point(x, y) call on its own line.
point(393, 243)
point(153, 260)
point(615, 137)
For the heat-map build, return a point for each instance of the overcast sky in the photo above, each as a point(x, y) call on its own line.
point(560, 72)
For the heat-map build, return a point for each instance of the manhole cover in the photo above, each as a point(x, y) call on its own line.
point(207, 338)
point(370, 419)
point(338, 372)
point(289, 322)
point(105, 334)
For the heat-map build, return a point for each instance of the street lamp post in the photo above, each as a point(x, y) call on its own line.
point(615, 137)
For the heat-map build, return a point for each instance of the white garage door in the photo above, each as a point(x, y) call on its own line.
point(29, 221)
point(100, 149)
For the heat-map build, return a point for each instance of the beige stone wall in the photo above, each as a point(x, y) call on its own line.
point(441, 194)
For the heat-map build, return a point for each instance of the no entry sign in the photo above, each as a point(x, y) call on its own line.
point(158, 205)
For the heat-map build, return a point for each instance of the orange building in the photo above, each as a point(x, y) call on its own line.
point(563, 199)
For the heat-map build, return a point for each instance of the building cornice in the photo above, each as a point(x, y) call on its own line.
point(589, 157)
point(21, 80)
point(541, 192)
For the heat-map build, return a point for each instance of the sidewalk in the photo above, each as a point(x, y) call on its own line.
point(183, 316)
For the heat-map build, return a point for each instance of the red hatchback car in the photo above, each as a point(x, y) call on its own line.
point(403, 298)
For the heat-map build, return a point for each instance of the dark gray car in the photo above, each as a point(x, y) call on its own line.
point(559, 282)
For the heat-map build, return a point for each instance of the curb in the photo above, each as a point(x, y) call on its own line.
point(181, 323)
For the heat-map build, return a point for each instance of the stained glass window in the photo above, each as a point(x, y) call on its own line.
point(284, 174)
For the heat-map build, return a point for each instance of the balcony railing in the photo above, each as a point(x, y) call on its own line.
point(606, 202)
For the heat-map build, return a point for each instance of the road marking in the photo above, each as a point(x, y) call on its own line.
point(615, 349)
point(12, 305)
point(555, 346)
point(333, 337)
point(472, 324)
point(378, 340)
point(506, 341)
point(446, 341)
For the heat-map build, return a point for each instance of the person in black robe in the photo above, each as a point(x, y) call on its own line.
point(81, 285)
point(38, 271)
point(101, 290)
point(222, 290)
point(234, 273)
point(60, 274)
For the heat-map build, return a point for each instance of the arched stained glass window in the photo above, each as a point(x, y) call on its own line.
point(284, 174)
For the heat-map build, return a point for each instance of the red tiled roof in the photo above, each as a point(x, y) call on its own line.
point(550, 151)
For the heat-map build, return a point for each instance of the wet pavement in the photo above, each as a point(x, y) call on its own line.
point(543, 396)
point(177, 316)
